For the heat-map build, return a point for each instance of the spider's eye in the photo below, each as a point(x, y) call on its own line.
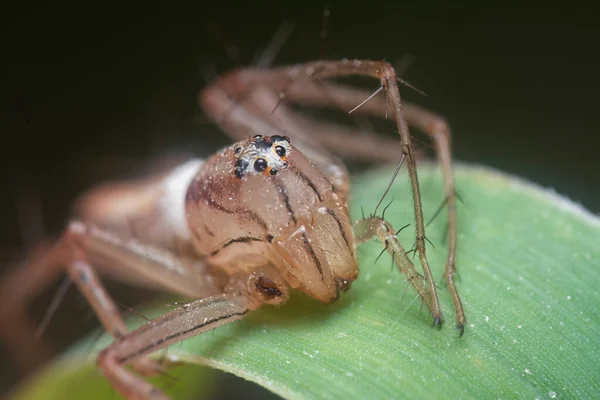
point(260, 164)
point(237, 151)
point(257, 136)
point(280, 150)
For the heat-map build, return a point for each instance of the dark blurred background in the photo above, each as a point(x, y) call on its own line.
point(91, 93)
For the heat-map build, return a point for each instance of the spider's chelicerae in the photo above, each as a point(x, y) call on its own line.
point(240, 229)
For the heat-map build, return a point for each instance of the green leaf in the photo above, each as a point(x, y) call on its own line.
point(78, 378)
point(529, 266)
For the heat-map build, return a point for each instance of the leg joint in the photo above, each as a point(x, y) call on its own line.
point(387, 71)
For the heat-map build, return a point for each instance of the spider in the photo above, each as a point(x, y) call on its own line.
point(242, 228)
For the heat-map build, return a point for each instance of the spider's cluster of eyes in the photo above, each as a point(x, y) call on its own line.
point(263, 154)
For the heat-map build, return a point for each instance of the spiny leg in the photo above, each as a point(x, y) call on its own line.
point(240, 82)
point(371, 227)
point(239, 105)
point(438, 129)
point(71, 254)
point(242, 295)
point(175, 326)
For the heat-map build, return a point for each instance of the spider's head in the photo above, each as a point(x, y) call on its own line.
point(266, 155)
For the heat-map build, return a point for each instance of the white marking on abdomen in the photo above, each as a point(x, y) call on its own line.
point(172, 200)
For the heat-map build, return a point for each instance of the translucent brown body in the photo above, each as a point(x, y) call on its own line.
point(240, 229)
point(292, 220)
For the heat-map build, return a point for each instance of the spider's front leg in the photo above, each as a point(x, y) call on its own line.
point(244, 294)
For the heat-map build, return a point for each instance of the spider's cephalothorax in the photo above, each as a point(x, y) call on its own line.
point(263, 155)
point(271, 206)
